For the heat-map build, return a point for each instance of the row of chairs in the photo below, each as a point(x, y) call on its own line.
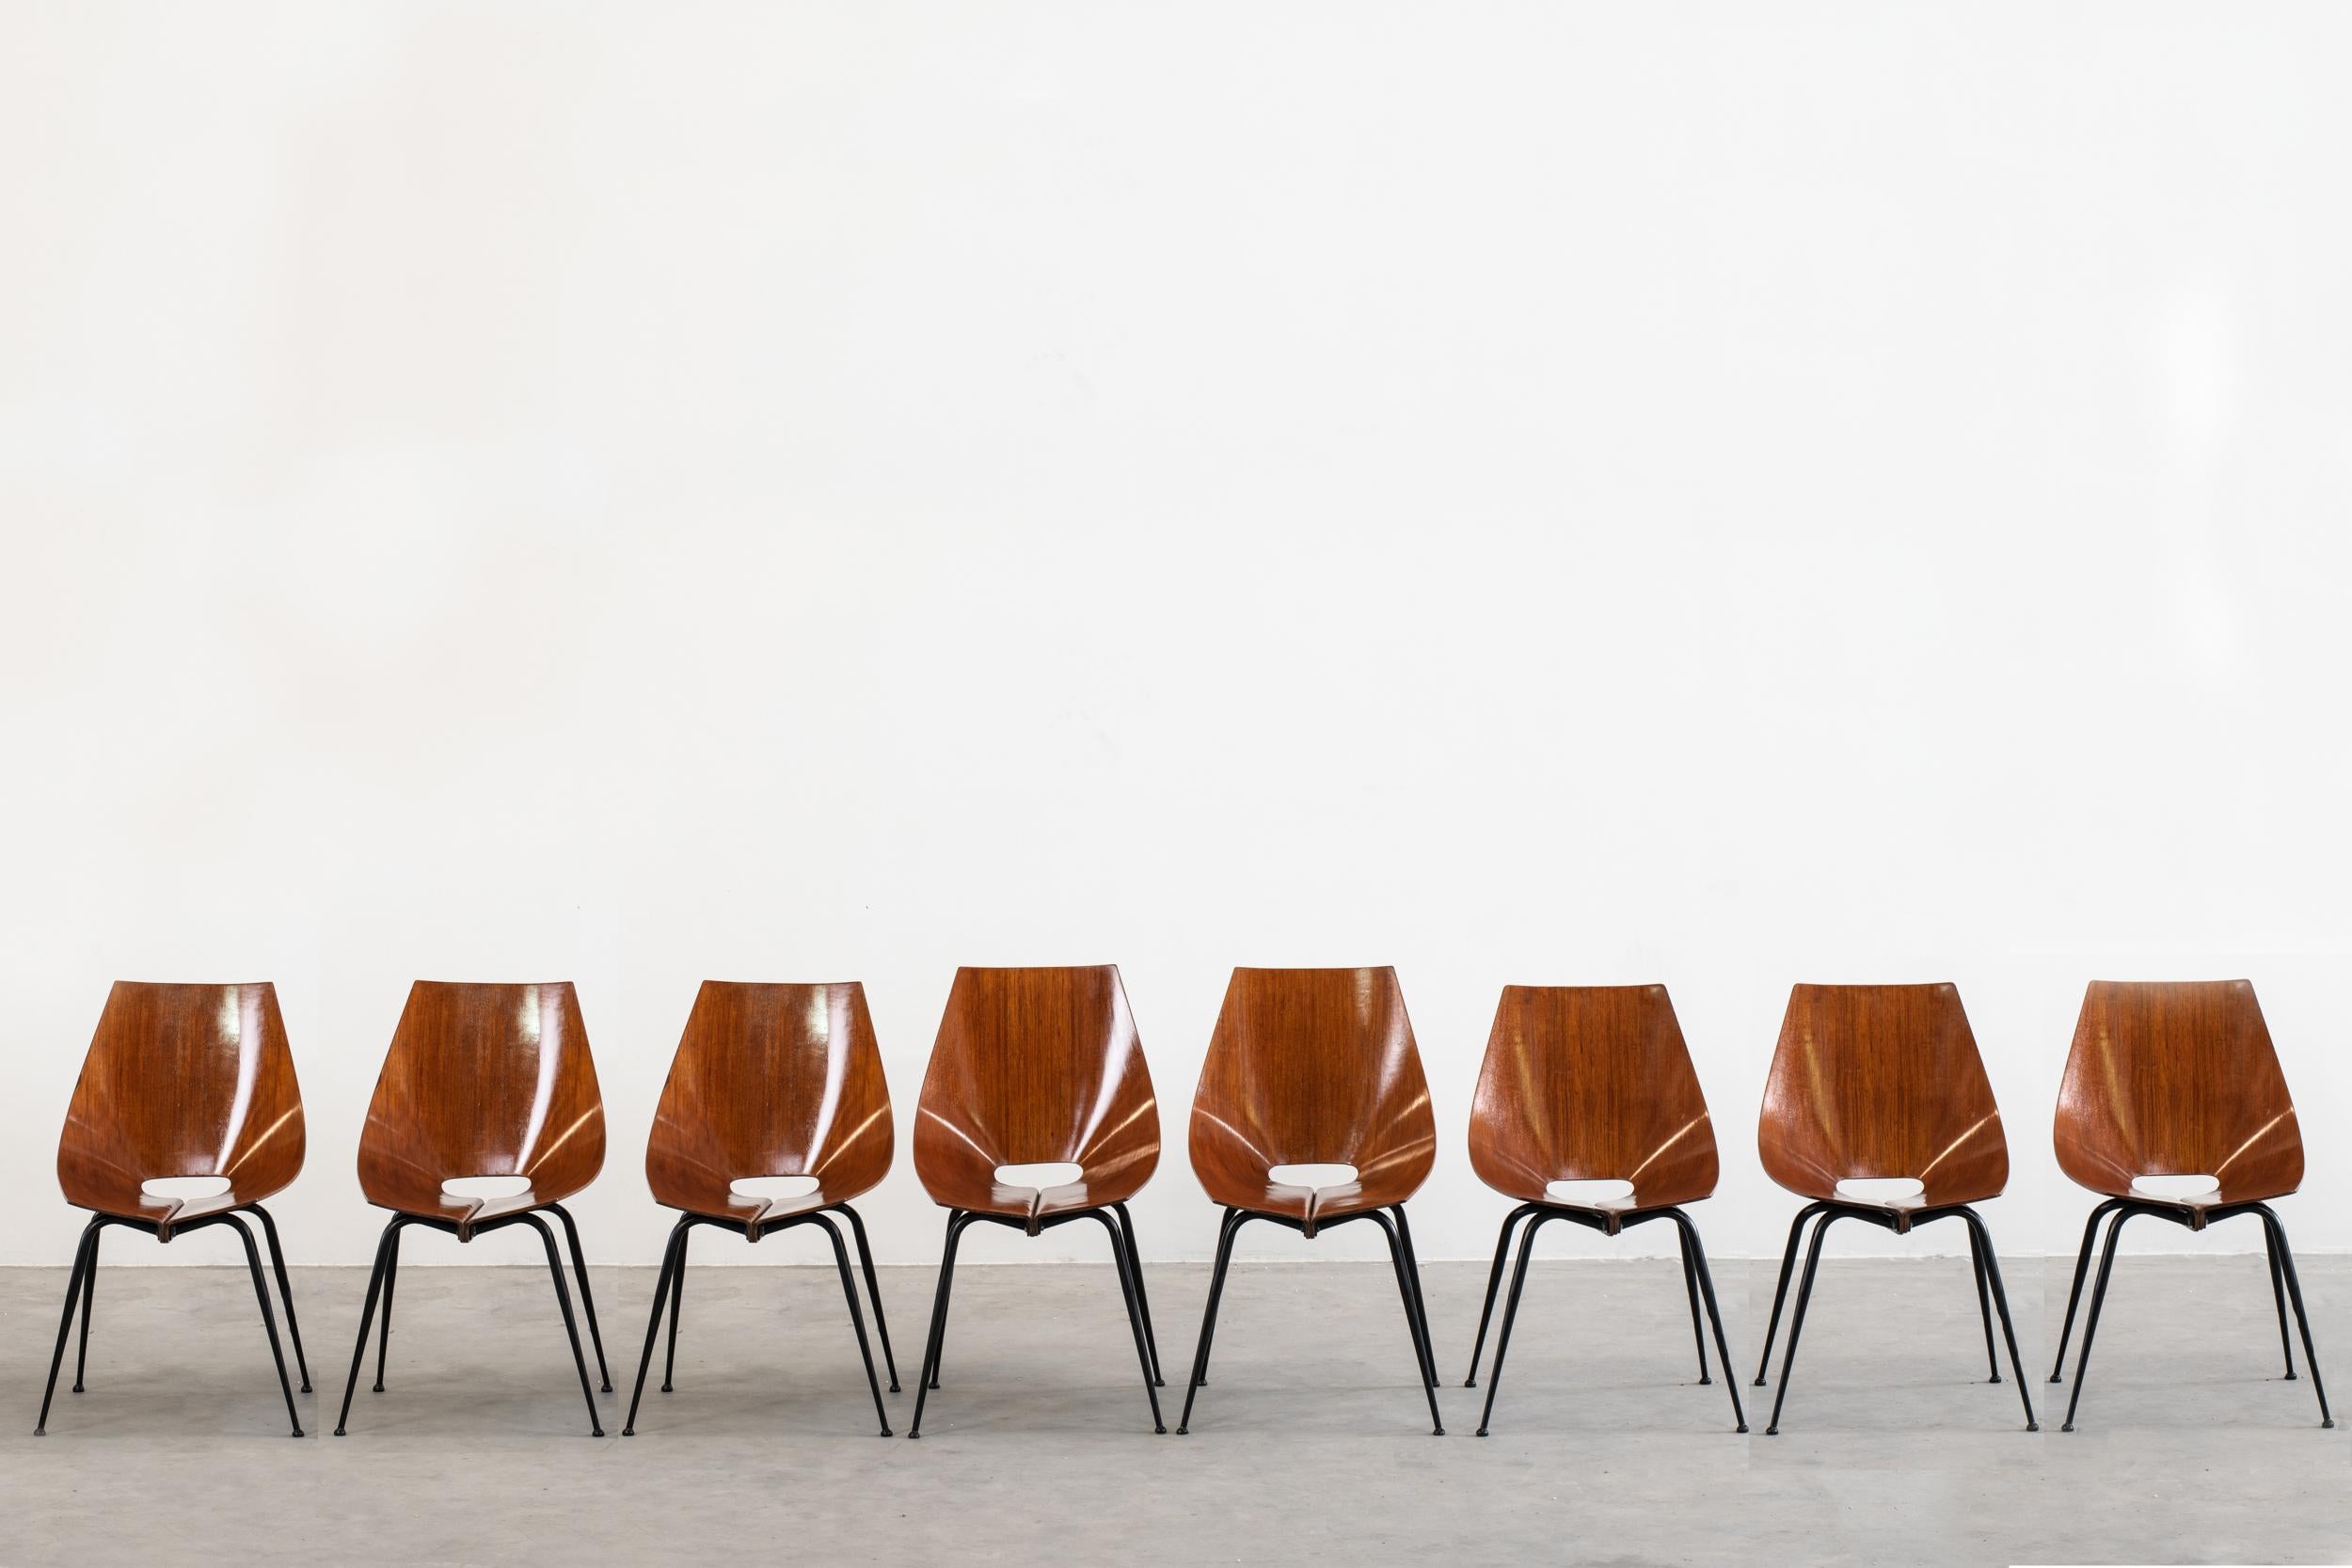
point(1307, 1067)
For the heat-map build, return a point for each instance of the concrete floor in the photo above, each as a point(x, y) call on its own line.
point(1311, 1445)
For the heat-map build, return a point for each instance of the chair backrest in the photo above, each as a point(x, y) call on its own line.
point(486, 1080)
point(184, 1080)
point(776, 1080)
point(1591, 1083)
point(1881, 1081)
point(1318, 1067)
point(1036, 1066)
point(2177, 1077)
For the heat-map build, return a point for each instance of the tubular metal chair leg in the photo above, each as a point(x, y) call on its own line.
point(2277, 1295)
point(1787, 1264)
point(1690, 1288)
point(1127, 1222)
point(671, 1253)
point(367, 1315)
point(285, 1291)
point(1706, 1289)
point(1423, 1363)
point(1226, 1232)
point(2277, 1233)
point(857, 1318)
point(1984, 1308)
point(925, 1377)
point(85, 1253)
point(2082, 1269)
point(587, 1302)
point(571, 1329)
point(2091, 1323)
point(1509, 1317)
point(1494, 1283)
point(1128, 1274)
point(1796, 1323)
point(89, 1294)
point(677, 1299)
point(873, 1290)
point(1421, 1307)
point(384, 1328)
point(1981, 1240)
point(269, 1317)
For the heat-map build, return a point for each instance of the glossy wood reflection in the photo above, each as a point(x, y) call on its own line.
point(183, 1081)
point(483, 1079)
point(1312, 1067)
point(1036, 1066)
point(1591, 1084)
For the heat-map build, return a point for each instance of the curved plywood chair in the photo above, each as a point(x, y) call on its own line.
point(1883, 1084)
point(769, 1080)
point(1593, 1083)
point(1037, 1067)
point(483, 1080)
point(2179, 1079)
point(1314, 1066)
point(182, 1081)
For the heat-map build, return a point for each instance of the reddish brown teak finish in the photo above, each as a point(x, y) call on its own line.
point(1591, 1084)
point(770, 1080)
point(181, 1081)
point(1312, 1067)
point(2177, 1079)
point(1036, 1066)
point(483, 1079)
point(1873, 1082)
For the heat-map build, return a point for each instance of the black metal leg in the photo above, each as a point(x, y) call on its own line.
point(677, 1298)
point(925, 1378)
point(1787, 1264)
point(83, 1253)
point(1135, 1255)
point(2090, 1324)
point(1509, 1317)
point(1494, 1282)
point(873, 1290)
point(1796, 1323)
point(1420, 1307)
point(1690, 1288)
point(857, 1318)
point(671, 1254)
point(1234, 1222)
point(587, 1302)
point(285, 1291)
point(1127, 1275)
point(2277, 1295)
point(2082, 1269)
point(89, 1294)
point(1981, 1240)
point(367, 1314)
point(1697, 1255)
point(1423, 1363)
point(2277, 1233)
point(269, 1317)
point(571, 1329)
point(384, 1328)
point(1984, 1308)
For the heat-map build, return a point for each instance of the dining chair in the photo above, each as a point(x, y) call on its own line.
point(2179, 1079)
point(1593, 1083)
point(1883, 1082)
point(769, 1080)
point(1314, 1066)
point(483, 1080)
point(182, 1081)
point(1037, 1067)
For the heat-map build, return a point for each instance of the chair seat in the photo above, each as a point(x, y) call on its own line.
point(1311, 1206)
point(126, 1198)
point(424, 1198)
point(708, 1194)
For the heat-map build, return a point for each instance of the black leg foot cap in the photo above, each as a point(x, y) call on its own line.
point(629, 1432)
point(2290, 1378)
point(1706, 1381)
point(297, 1432)
point(2054, 1378)
point(1760, 1382)
point(2328, 1423)
point(306, 1388)
point(1741, 1427)
point(2068, 1426)
point(885, 1431)
point(1771, 1432)
point(2034, 1426)
point(894, 1387)
point(608, 1388)
point(596, 1432)
point(1995, 1378)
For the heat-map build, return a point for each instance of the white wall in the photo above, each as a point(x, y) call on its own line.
point(1721, 494)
